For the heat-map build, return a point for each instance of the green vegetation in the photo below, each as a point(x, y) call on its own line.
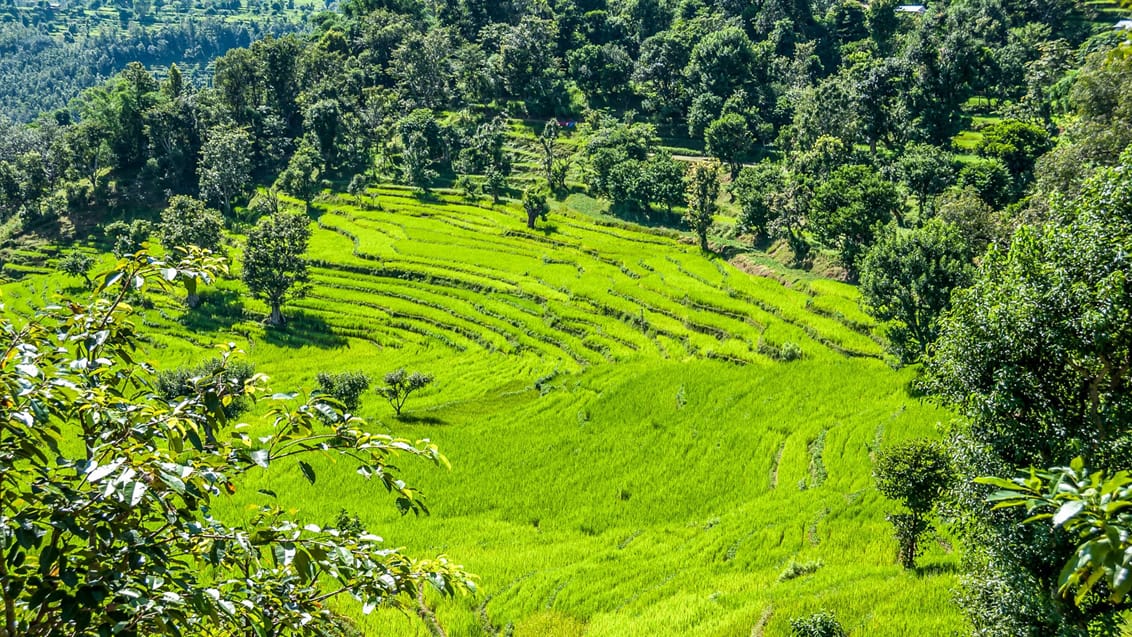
point(654, 432)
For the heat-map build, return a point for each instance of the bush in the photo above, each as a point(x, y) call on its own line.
point(345, 387)
point(820, 624)
point(795, 570)
point(183, 382)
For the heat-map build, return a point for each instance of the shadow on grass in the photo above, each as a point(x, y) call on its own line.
point(654, 218)
point(409, 419)
point(929, 570)
point(304, 330)
point(218, 310)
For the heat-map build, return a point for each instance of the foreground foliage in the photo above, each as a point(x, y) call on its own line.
point(106, 493)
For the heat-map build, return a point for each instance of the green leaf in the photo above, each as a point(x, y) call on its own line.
point(308, 471)
point(261, 457)
point(1067, 512)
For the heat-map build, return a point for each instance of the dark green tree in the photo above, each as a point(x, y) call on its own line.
point(700, 194)
point(1034, 355)
point(535, 206)
point(849, 208)
point(275, 269)
point(926, 171)
point(729, 139)
point(226, 165)
point(914, 473)
point(302, 176)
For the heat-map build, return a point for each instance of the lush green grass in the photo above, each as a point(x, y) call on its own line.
point(628, 456)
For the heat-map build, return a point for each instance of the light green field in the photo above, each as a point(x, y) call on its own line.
point(628, 457)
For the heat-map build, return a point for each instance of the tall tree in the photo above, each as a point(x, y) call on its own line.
point(1035, 356)
point(729, 139)
point(275, 270)
point(186, 226)
point(226, 165)
point(849, 208)
point(301, 177)
point(907, 279)
point(700, 193)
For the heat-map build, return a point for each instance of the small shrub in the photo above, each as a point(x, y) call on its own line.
point(345, 387)
point(77, 264)
point(399, 384)
point(183, 382)
point(820, 624)
point(795, 570)
point(789, 352)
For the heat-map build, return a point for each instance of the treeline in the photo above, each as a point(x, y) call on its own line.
point(42, 72)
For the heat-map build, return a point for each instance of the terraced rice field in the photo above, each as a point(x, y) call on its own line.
point(632, 452)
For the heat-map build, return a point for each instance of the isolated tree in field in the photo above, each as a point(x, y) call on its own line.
point(226, 165)
point(926, 171)
point(187, 229)
point(700, 194)
point(302, 176)
point(108, 528)
point(907, 279)
point(1034, 356)
point(729, 139)
point(495, 184)
point(357, 188)
point(345, 387)
point(77, 264)
point(275, 270)
point(535, 205)
point(848, 209)
point(399, 385)
point(914, 473)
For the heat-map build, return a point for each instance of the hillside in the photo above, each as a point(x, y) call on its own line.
point(628, 456)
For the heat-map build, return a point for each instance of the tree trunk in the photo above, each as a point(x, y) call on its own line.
point(192, 297)
point(276, 318)
point(703, 242)
point(531, 221)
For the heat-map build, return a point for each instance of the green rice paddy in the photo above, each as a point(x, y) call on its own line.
point(632, 454)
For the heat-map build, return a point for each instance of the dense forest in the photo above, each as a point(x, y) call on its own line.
point(967, 165)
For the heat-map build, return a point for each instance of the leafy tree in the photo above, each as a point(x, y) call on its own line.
point(658, 75)
point(700, 193)
point(849, 208)
point(664, 177)
point(535, 205)
point(1018, 144)
point(129, 237)
point(301, 178)
point(226, 165)
point(916, 474)
point(416, 165)
point(1029, 355)
point(721, 62)
point(220, 375)
point(107, 521)
point(978, 223)
point(345, 387)
point(554, 167)
point(991, 179)
point(399, 385)
point(274, 268)
point(907, 279)
point(495, 184)
point(729, 139)
point(77, 264)
point(191, 232)
point(357, 187)
point(187, 222)
point(754, 189)
point(926, 171)
point(1095, 508)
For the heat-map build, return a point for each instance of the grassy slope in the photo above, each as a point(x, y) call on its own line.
point(627, 459)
